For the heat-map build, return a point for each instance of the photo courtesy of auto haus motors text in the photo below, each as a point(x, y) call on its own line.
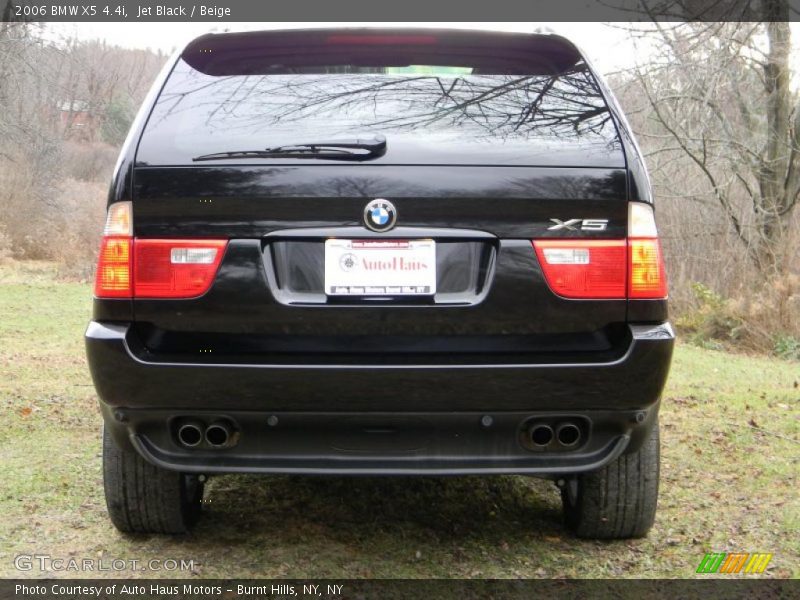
point(293, 306)
point(140, 590)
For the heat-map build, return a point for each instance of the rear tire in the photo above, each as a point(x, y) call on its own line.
point(618, 501)
point(142, 498)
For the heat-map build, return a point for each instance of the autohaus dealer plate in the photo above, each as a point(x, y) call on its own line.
point(380, 267)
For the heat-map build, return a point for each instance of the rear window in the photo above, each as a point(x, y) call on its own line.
point(453, 98)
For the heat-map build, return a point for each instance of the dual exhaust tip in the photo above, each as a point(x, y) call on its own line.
point(567, 434)
point(220, 434)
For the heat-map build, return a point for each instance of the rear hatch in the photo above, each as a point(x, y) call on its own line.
point(472, 144)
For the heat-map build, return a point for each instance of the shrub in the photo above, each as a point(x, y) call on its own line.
point(767, 320)
point(714, 319)
point(28, 189)
point(88, 161)
point(82, 208)
point(787, 346)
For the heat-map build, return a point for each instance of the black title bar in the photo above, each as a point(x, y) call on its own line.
point(393, 11)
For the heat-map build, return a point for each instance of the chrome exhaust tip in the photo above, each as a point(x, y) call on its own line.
point(541, 435)
point(218, 434)
point(190, 434)
point(568, 434)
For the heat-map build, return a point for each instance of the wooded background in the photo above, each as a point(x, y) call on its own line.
point(715, 107)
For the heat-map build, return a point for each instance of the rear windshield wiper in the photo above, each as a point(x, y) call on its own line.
point(355, 149)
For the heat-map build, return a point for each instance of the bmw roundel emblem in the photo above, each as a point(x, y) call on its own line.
point(380, 215)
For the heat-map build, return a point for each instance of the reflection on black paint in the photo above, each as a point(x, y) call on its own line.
point(247, 202)
point(478, 118)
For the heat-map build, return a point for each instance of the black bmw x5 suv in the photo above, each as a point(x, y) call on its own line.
point(380, 252)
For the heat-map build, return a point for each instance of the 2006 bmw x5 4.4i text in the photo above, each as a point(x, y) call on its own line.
point(380, 252)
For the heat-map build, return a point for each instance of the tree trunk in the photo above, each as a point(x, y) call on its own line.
point(777, 180)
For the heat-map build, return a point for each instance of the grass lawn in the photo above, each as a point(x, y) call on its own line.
point(730, 455)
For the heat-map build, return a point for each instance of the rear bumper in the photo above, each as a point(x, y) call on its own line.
point(380, 443)
point(126, 375)
point(379, 418)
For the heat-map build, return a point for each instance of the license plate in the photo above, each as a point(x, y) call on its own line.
point(380, 267)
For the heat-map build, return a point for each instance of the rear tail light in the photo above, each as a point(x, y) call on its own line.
point(175, 268)
point(114, 268)
point(119, 220)
point(115, 261)
point(647, 278)
point(584, 268)
point(131, 267)
point(608, 269)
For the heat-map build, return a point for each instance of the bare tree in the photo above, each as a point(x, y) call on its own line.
point(45, 83)
point(719, 94)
